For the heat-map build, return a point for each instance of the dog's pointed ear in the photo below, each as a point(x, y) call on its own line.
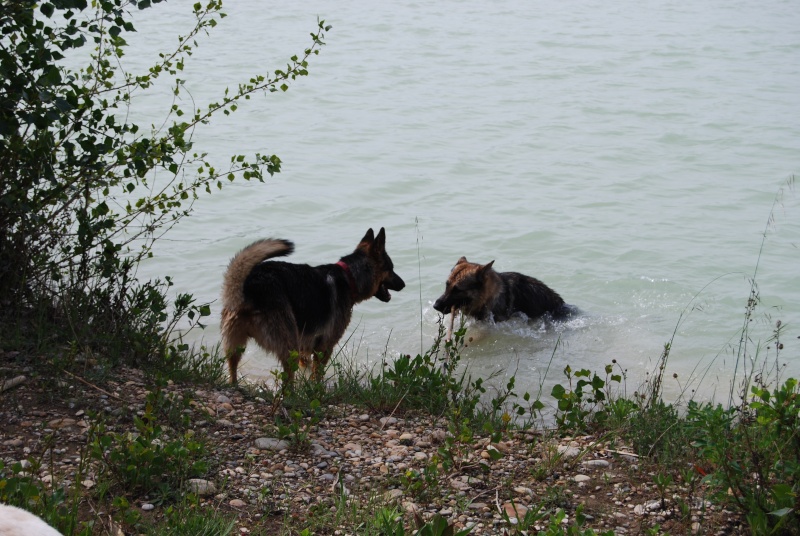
point(462, 260)
point(369, 238)
point(380, 240)
point(483, 270)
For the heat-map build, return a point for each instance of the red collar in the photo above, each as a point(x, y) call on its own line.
point(350, 279)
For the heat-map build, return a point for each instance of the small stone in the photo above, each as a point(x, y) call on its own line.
point(269, 443)
point(438, 436)
point(581, 478)
point(515, 511)
point(393, 494)
point(596, 463)
point(201, 487)
point(237, 503)
point(568, 452)
point(61, 423)
point(652, 506)
point(147, 507)
point(353, 448)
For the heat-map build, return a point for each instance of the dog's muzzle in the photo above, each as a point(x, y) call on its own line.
point(394, 283)
point(441, 306)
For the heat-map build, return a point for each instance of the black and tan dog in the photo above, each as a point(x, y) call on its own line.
point(299, 308)
point(477, 290)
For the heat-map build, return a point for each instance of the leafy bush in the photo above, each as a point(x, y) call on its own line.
point(754, 452)
point(151, 459)
point(57, 505)
point(589, 401)
point(84, 193)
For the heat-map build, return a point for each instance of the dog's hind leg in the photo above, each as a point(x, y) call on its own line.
point(234, 340)
point(277, 333)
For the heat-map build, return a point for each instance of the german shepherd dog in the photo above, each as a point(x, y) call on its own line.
point(484, 294)
point(299, 308)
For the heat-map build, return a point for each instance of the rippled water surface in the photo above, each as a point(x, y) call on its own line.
point(628, 154)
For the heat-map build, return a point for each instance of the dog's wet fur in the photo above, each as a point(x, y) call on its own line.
point(299, 308)
point(477, 290)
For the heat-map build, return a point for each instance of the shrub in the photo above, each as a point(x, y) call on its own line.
point(84, 193)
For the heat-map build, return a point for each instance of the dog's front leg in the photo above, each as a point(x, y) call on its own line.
point(319, 363)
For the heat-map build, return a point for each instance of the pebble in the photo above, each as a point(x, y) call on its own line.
point(568, 452)
point(269, 443)
point(364, 452)
point(596, 463)
point(515, 511)
point(201, 487)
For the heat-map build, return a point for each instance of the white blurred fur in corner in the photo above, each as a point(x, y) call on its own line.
point(17, 522)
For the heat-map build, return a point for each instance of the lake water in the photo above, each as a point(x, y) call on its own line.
point(628, 154)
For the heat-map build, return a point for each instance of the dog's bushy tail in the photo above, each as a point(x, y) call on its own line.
point(243, 262)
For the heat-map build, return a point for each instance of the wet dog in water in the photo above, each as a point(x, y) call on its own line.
point(299, 308)
point(477, 290)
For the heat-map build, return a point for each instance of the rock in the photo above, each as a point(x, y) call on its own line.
point(581, 478)
point(237, 503)
point(393, 494)
point(459, 485)
point(352, 448)
point(61, 423)
point(147, 507)
point(652, 506)
point(568, 452)
point(515, 511)
point(438, 436)
point(596, 463)
point(201, 487)
point(411, 508)
point(269, 443)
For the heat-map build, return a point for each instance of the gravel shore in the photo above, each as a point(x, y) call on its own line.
point(374, 459)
